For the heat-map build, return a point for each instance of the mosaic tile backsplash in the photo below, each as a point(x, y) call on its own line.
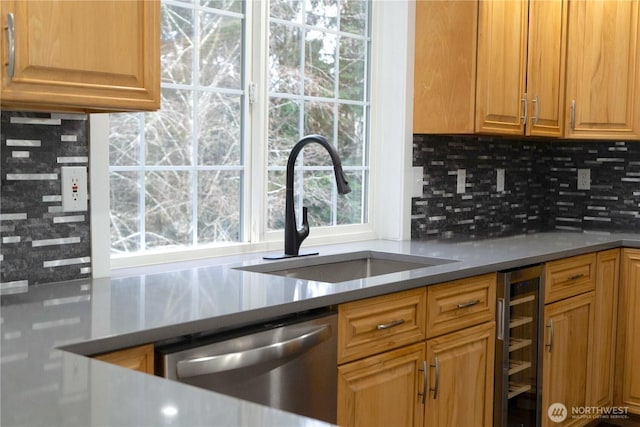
point(39, 242)
point(540, 191)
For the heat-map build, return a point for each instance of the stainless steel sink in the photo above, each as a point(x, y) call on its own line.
point(347, 266)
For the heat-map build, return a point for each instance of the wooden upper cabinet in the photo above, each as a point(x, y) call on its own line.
point(445, 66)
point(520, 83)
point(502, 67)
point(603, 70)
point(90, 55)
point(546, 67)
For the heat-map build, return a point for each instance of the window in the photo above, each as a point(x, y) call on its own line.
point(179, 176)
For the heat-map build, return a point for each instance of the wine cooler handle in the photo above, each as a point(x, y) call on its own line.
point(550, 345)
point(424, 369)
point(435, 386)
point(501, 319)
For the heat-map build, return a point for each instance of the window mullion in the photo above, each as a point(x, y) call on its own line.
point(195, 128)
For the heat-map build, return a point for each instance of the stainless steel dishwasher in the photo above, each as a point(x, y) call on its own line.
point(289, 364)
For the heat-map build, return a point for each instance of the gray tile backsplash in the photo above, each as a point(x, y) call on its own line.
point(540, 186)
point(39, 242)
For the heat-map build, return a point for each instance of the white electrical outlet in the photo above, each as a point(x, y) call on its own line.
point(462, 181)
point(74, 188)
point(500, 180)
point(584, 179)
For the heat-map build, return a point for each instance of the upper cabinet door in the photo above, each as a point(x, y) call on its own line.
point(603, 70)
point(445, 66)
point(81, 55)
point(502, 65)
point(546, 67)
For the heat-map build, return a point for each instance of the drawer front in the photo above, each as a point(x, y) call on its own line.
point(374, 325)
point(459, 304)
point(569, 277)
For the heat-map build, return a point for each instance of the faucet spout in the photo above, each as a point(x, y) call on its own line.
point(293, 236)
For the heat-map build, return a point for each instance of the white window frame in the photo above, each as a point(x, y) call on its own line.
point(391, 141)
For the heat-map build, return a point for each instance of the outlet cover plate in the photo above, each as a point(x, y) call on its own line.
point(74, 188)
point(584, 179)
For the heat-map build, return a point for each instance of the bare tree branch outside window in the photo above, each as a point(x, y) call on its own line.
point(177, 175)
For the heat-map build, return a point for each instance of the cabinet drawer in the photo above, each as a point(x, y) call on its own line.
point(569, 277)
point(459, 304)
point(374, 325)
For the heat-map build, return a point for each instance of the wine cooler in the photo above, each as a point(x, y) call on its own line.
point(518, 348)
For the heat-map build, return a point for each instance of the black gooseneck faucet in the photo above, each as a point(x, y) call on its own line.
point(293, 236)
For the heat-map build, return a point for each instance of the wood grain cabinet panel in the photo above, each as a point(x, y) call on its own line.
point(382, 390)
point(374, 325)
point(445, 66)
point(461, 303)
point(603, 70)
point(566, 359)
point(136, 358)
point(521, 67)
point(604, 331)
point(96, 55)
point(627, 385)
point(568, 277)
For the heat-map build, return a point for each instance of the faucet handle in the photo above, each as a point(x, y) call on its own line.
point(304, 231)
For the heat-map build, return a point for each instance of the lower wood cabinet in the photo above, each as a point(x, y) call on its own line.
point(566, 359)
point(604, 330)
point(135, 358)
point(445, 380)
point(382, 390)
point(627, 392)
point(460, 378)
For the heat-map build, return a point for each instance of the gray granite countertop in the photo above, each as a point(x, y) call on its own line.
point(44, 382)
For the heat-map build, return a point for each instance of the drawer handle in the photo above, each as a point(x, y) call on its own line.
point(576, 276)
point(469, 304)
point(384, 326)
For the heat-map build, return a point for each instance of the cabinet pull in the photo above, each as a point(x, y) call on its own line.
point(469, 303)
point(550, 345)
point(501, 315)
point(435, 386)
point(525, 108)
point(391, 324)
point(11, 65)
point(423, 395)
point(536, 110)
point(573, 114)
point(576, 276)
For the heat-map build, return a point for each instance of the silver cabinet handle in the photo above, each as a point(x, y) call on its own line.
point(550, 345)
point(525, 108)
point(435, 386)
point(469, 304)
point(391, 324)
point(11, 65)
point(501, 319)
point(536, 110)
point(573, 114)
point(423, 395)
point(255, 356)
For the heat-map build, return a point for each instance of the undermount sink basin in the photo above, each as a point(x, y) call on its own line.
point(347, 266)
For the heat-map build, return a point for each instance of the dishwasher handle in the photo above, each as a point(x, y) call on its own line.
point(252, 357)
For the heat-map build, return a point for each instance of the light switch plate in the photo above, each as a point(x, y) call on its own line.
point(500, 180)
point(74, 188)
point(418, 182)
point(462, 180)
